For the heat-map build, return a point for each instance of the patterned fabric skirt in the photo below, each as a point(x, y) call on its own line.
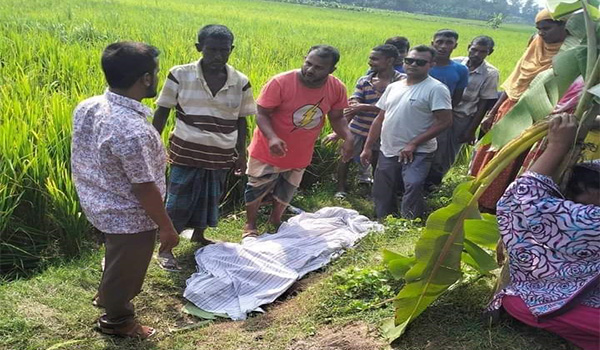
point(483, 156)
point(193, 196)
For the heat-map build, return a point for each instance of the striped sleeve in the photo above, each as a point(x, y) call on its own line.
point(168, 95)
point(248, 106)
point(359, 94)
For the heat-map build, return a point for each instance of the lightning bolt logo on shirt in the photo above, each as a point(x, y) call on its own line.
point(308, 116)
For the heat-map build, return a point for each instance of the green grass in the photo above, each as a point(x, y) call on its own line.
point(50, 62)
point(54, 306)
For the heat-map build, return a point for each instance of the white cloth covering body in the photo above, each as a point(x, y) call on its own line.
point(236, 279)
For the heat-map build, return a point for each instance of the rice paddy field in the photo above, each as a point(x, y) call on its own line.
point(49, 61)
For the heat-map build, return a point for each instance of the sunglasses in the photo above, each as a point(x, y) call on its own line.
point(419, 62)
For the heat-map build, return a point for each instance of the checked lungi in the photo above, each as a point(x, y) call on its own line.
point(265, 179)
point(193, 196)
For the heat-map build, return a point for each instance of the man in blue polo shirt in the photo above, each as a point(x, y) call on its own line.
point(456, 77)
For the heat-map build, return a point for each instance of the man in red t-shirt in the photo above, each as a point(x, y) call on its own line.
point(291, 113)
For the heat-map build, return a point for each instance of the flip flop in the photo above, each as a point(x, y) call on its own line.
point(168, 263)
point(127, 330)
point(249, 233)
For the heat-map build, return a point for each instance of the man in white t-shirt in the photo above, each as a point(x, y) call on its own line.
point(413, 112)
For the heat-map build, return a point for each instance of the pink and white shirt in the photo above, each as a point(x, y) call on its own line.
point(113, 147)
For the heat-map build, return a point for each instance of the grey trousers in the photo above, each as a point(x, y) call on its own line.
point(390, 174)
point(127, 259)
point(448, 148)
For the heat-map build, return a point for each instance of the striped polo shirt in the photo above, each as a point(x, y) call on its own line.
point(205, 132)
point(365, 92)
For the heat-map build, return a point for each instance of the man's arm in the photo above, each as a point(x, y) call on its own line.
point(151, 200)
point(457, 97)
point(374, 134)
point(160, 118)
point(277, 146)
point(442, 121)
point(339, 125)
point(469, 134)
point(486, 123)
point(240, 163)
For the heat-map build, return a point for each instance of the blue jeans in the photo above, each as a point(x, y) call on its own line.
point(390, 174)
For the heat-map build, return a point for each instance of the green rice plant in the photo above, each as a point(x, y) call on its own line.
point(50, 62)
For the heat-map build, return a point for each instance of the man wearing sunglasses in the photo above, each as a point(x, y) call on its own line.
point(413, 112)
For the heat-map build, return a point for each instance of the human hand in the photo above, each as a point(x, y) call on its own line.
point(407, 153)
point(239, 167)
point(277, 147)
point(365, 156)
point(349, 113)
point(347, 149)
point(486, 123)
point(331, 138)
point(467, 137)
point(562, 130)
point(169, 238)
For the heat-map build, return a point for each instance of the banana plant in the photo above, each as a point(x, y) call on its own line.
point(458, 233)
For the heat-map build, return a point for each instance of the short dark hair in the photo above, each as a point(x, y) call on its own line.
point(125, 62)
point(389, 51)
point(483, 40)
point(400, 42)
point(582, 178)
point(449, 33)
point(326, 51)
point(215, 31)
point(424, 48)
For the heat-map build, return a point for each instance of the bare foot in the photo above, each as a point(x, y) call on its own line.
point(249, 231)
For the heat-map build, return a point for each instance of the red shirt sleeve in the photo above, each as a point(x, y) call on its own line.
point(270, 95)
point(341, 101)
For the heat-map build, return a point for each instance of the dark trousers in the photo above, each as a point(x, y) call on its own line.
point(390, 174)
point(447, 150)
point(127, 260)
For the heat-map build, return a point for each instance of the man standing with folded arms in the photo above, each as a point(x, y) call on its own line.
point(118, 163)
point(413, 112)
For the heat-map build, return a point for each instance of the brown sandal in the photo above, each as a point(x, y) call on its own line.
point(130, 329)
point(249, 233)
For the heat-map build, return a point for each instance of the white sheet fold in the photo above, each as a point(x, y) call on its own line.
point(237, 278)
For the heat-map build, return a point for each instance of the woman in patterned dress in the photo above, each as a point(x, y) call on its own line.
point(553, 244)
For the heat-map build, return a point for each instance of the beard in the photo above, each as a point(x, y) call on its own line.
point(151, 91)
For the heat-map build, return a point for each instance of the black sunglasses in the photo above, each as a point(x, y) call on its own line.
point(419, 62)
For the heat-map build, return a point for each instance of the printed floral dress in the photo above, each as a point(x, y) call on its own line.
point(553, 246)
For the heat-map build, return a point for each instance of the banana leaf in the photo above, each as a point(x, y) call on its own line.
point(561, 8)
point(397, 264)
point(478, 258)
point(443, 246)
point(437, 260)
point(483, 232)
point(540, 98)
